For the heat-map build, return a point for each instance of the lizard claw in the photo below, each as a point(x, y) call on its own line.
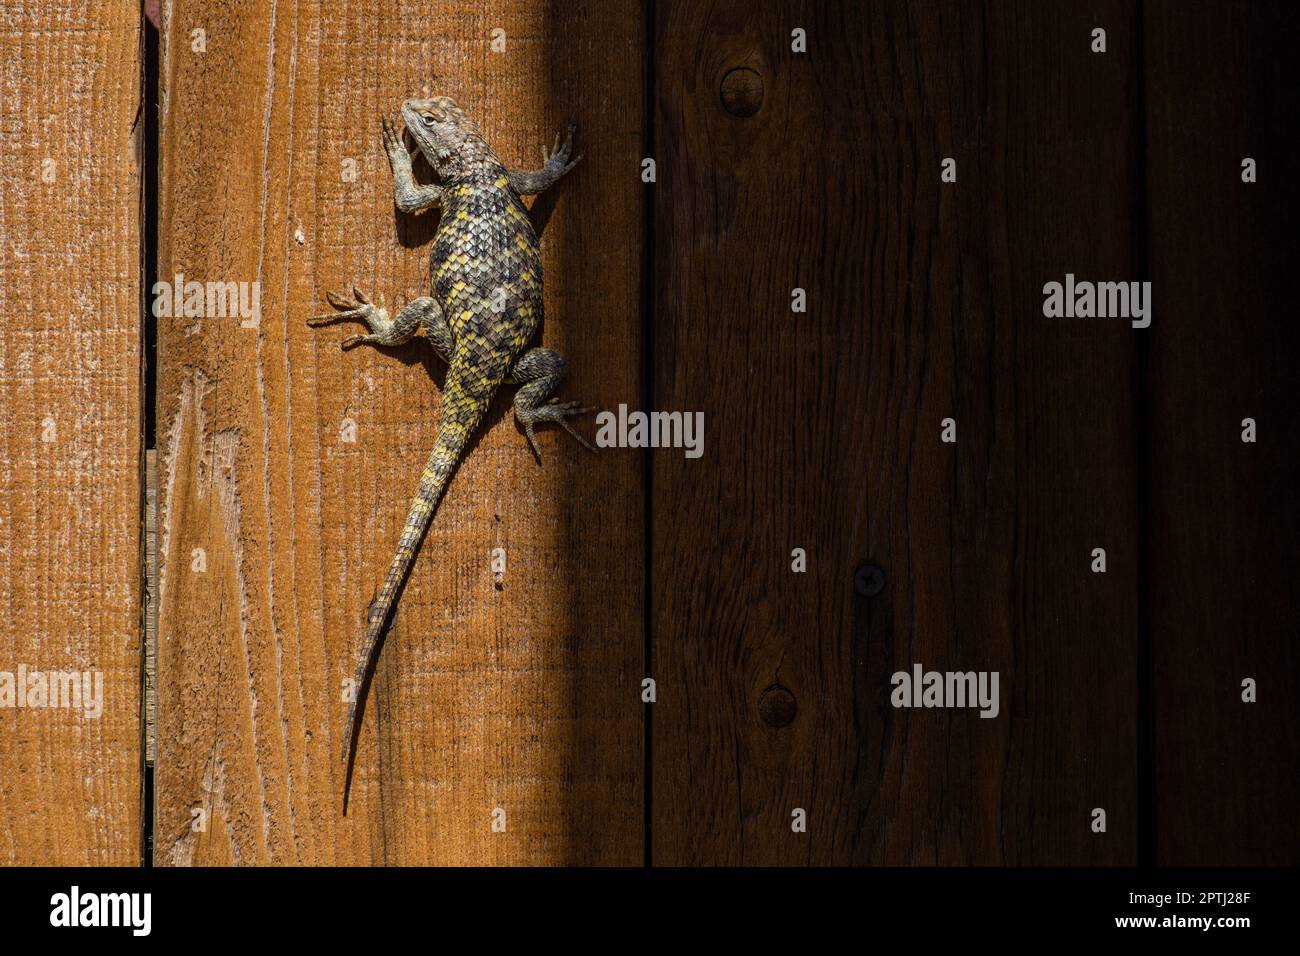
point(358, 303)
point(577, 434)
point(359, 308)
point(532, 440)
point(337, 300)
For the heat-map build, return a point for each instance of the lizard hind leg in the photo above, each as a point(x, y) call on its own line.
point(436, 329)
point(383, 331)
point(539, 373)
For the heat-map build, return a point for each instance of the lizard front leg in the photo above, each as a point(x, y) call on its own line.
point(539, 372)
point(410, 197)
point(529, 183)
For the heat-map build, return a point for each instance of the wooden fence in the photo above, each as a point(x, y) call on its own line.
point(507, 722)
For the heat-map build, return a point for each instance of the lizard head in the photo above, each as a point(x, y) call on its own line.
point(445, 135)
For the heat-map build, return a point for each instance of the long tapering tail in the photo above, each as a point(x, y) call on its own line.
point(452, 438)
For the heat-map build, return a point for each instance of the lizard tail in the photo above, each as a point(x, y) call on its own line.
point(452, 438)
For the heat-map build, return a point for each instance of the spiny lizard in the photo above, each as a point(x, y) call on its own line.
point(486, 305)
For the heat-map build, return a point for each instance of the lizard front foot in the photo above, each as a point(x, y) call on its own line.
point(557, 161)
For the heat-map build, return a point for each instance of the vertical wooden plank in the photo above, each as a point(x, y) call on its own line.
point(523, 696)
point(925, 303)
point(1221, 87)
point(70, 778)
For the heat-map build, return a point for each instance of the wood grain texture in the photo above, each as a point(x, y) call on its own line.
point(70, 510)
point(823, 433)
point(523, 697)
point(1221, 86)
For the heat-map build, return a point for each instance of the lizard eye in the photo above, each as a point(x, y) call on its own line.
point(427, 119)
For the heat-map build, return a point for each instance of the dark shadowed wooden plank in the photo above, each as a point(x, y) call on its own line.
point(1221, 87)
point(70, 464)
point(522, 697)
point(823, 433)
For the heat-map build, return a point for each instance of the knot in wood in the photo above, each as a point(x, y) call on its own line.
point(742, 92)
point(777, 706)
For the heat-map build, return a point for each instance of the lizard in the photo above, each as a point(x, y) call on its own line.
point(485, 307)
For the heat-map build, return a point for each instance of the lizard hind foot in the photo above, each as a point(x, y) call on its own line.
point(553, 411)
point(360, 307)
point(539, 372)
point(383, 331)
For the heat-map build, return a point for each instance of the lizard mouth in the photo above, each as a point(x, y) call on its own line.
point(413, 146)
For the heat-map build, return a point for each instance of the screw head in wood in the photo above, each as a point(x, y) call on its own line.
point(868, 580)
